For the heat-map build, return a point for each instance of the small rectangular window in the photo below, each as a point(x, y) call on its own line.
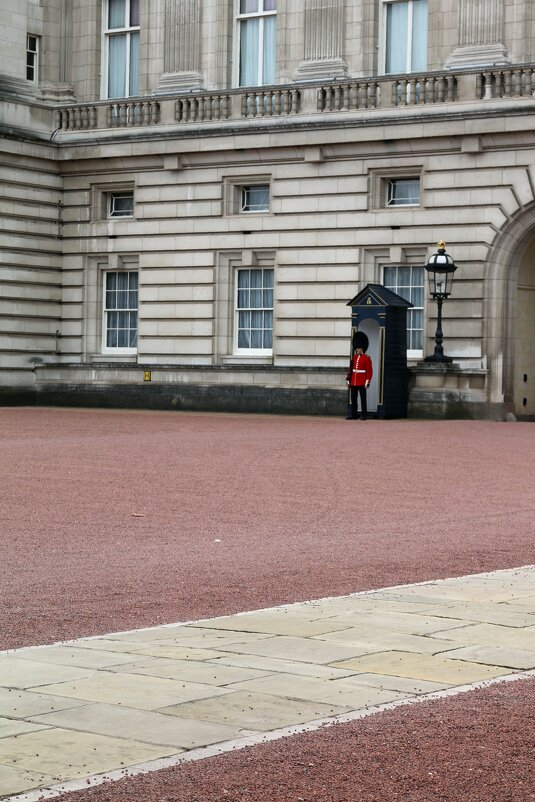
point(255, 198)
point(402, 192)
point(121, 204)
point(120, 311)
point(32, 58)
point(254, 310)
point(408, 281)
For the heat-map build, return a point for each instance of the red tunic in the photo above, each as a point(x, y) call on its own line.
point(361, 370)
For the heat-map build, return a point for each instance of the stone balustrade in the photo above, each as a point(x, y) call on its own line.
point(299, 99)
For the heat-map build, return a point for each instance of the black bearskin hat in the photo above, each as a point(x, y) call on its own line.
point(360, 340)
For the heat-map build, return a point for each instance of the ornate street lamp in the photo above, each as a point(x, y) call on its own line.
point(440, 270)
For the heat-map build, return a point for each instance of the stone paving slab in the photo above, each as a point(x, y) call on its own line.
point(65, 754)
point(146, 693)
point(120, 722)
point(495, 655)
point(192, 671)
point(80, 711)
point(423, 666)
point(15, 673)
point(256, 711)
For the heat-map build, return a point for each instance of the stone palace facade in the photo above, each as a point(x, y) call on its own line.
point(192, 191)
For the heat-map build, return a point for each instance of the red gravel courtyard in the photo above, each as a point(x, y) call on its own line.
point(114, 520)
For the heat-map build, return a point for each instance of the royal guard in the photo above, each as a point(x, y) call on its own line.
point(359, 376)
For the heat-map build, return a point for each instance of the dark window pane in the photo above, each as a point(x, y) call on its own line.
point(249, 6)
point(134, 13)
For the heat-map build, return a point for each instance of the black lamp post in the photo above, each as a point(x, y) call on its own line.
point(440, 270)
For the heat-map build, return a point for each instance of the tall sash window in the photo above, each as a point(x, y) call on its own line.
point(405, 46)
point(408, 281)
point(120, 311)
point(254, 310)
point(122, 48)
point(256, 21)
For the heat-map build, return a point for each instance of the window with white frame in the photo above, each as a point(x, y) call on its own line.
point(254, 198)
point(120, 311)
point(121, 35)
point(256, 23)
point(246, 194)
point(254, 311)
point(402, 192)
point(408, 281)
point(405, 24)
point(32, 58)
point(120, 204)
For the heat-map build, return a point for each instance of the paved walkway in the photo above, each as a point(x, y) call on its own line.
point(141, 700)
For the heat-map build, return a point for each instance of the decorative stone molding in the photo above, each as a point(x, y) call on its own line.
point(481, 32)
point(182, 46)
point(324, 41)
point(56, 92)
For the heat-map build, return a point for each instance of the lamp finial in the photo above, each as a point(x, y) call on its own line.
point(441, 245)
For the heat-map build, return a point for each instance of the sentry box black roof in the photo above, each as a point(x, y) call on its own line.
point(377, 295)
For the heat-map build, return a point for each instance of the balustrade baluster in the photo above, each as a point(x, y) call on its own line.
point(337, 94)
point(215, 107)
point(488, 86)
point(504, 84)
point(517, 83)
point(353, 96)
point(524, 83)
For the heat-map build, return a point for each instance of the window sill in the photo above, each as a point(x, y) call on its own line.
point(126, 356)
point(247, 359)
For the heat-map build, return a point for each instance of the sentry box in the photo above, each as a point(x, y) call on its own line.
point(382, 315)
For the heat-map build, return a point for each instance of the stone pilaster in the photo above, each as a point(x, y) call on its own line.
point(61, 90)
point(324, 40)
point(481, 34)
point(182, 46)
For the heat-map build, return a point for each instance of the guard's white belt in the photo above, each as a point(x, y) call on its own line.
point(358, 371)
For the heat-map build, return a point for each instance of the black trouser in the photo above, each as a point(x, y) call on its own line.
point(355, 392)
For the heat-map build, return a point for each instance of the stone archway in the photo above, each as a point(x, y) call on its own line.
point(510, 318)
